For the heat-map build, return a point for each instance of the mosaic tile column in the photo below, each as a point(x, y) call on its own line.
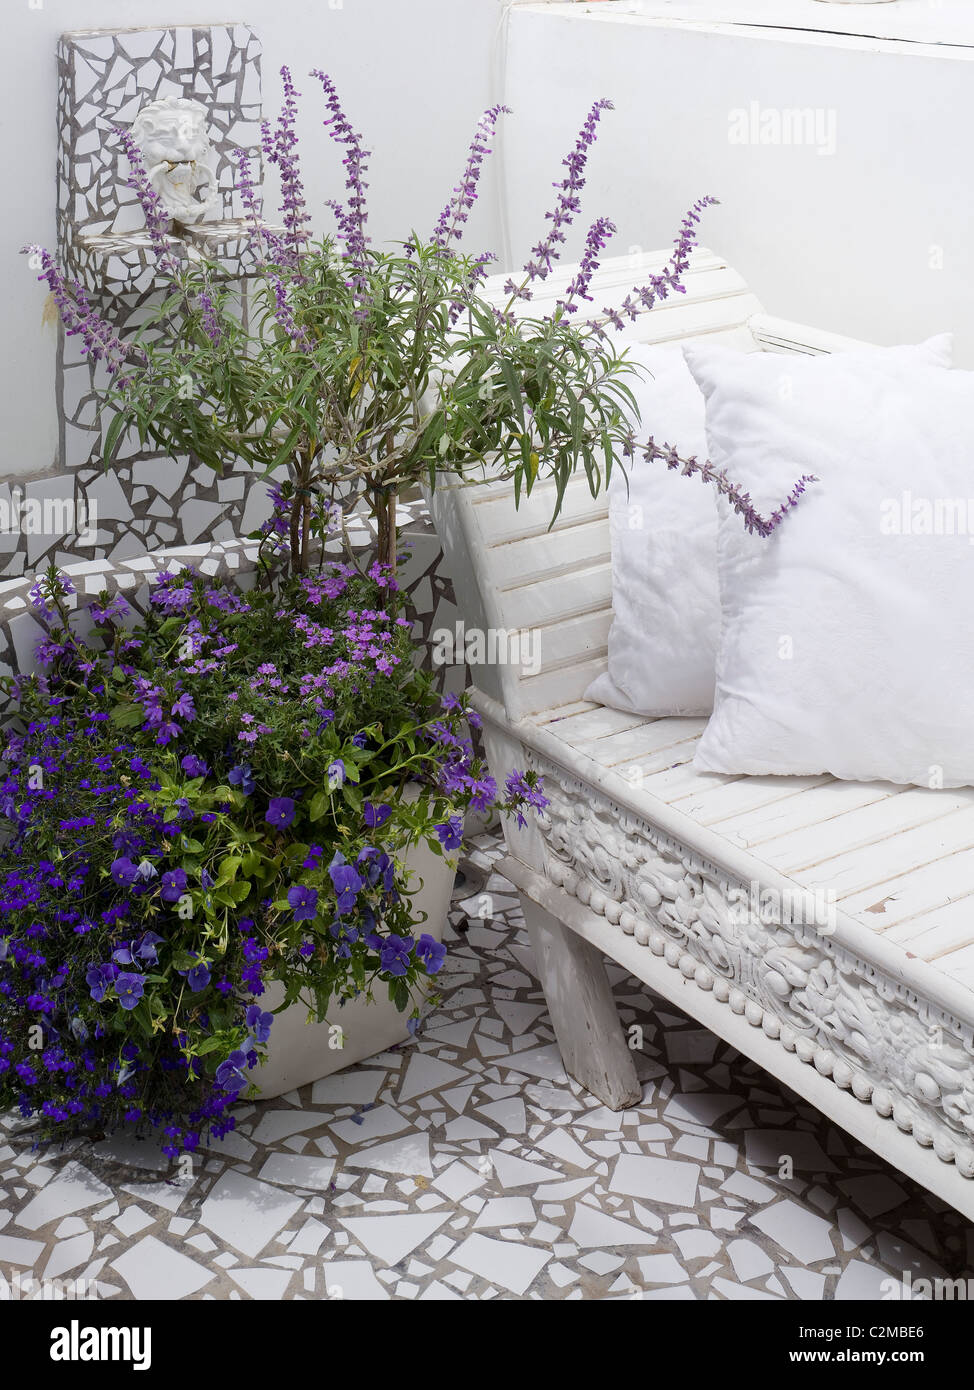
point(147, 499)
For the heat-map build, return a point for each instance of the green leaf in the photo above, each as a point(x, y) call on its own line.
point(113, 434)
point(227, 868)
point(399, 994)
point(143, 1017)
point(126, 715)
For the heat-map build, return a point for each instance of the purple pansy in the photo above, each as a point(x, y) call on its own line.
point(173, 885)
point(304, 902)
point(129, 989)
point(280, 811)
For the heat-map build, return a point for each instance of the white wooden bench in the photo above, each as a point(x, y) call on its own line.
point(643, 859)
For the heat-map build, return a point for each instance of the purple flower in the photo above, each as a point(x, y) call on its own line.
point(230, 1075)
point(280, 811)
point(211, 324)
point(184, 708)
point(449, 226)
point(157, 220)
point(431, 952)
point(129, 989)
point(284, 314)
point(394, 954)
point(568, 201)
point(345, 880)
point(353, 216)
point(123, 871)
point(739, 500)
point(98, 978)
point(598, 235)
point(336, 774)
point(240, 776)
point(193, 766)
point(146, 947)
point(374, 816)
point(252, 205)
point(259, 1022)
point(173, 885)
point(669, 279)
point(99, 340)
point(281, 148)
point(304, 902)
point(450, 835)
point(199, 977)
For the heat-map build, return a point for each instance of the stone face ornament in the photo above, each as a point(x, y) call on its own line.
point(172, 134)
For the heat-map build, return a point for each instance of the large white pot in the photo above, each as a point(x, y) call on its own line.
point(299, 1052)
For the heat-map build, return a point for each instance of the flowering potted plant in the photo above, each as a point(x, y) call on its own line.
point(191, 823)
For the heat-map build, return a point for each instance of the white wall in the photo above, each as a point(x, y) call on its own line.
point(844, 241)
point(414, 76)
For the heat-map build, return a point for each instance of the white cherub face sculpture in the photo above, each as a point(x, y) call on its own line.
point(176, 149)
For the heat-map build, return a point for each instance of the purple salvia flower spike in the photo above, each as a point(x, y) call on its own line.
point(568, 202)
point(739, 500)
point(281, 148)
point(253, 207)
point(99, 339)
point(449, 226)
point(669, 280)
point(598, 235)
point(478, 272)
point(354, 215)
point(157, 220)
point(285, 316)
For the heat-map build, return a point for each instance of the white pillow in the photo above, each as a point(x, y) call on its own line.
point(846, 640)
point(665, 602)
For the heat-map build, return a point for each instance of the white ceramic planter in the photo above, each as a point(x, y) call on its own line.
point(299, 1052)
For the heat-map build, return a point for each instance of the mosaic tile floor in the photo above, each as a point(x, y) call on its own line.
point(467, 1165)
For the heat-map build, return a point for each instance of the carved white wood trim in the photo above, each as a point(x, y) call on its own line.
point(873, 1035)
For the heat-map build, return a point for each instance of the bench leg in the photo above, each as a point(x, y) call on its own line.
point(582, 1009)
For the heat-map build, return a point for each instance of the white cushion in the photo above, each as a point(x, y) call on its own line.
point(665, 603)
point(846, 641)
